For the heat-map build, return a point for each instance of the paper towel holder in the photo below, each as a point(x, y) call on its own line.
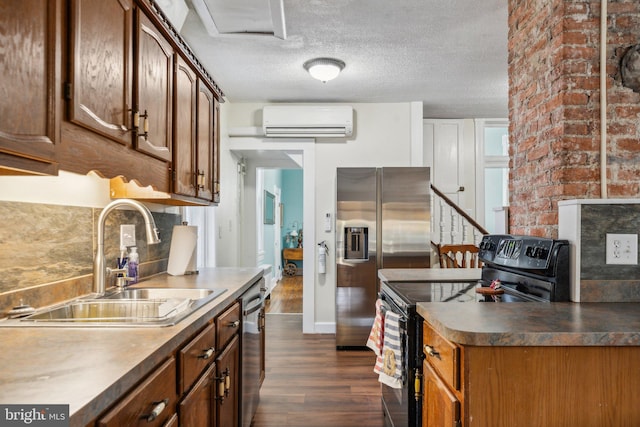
point(183, 250)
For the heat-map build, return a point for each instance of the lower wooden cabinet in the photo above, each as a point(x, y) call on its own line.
point(198, 408)
point(151, 404)
point(200, 389)
point(440, 407)
point(228, 396)
point(506, 386)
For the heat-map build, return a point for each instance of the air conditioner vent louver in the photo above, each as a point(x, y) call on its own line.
point(307, 121)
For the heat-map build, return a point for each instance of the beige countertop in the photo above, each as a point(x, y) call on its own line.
point(535, 324)
point(521, 323)
point(89, 368)
point(429, 274)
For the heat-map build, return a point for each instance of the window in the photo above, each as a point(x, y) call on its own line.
point(492, 139)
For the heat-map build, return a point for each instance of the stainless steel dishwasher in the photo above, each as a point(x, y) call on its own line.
point(252, 303)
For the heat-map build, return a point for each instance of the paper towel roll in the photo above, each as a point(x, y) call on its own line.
point(183, 251)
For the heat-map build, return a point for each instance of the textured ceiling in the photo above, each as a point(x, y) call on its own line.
point(449, 54)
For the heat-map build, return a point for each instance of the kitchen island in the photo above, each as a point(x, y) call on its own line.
point(90, 368)
point(531, 364)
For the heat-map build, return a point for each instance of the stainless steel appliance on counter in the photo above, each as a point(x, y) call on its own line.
point(382, 221)
point(516, 269)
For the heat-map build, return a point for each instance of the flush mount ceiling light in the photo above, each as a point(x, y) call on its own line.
point(324, 69)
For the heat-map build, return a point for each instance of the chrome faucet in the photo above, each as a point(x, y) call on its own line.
point(99, 267)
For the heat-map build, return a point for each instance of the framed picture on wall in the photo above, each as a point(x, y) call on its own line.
point(269, 208)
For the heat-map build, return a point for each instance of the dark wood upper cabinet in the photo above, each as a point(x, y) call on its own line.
point(216, 152)
point(186, 93)
point(30, 86)
point(101, 56)
point(153, 89)
point(206, 142)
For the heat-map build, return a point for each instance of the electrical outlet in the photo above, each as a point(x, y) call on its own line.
point(622, 249)
point(127, 235)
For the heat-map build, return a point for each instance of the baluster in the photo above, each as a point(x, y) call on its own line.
point(465, 230)
point(442, 224)
point(454, 225)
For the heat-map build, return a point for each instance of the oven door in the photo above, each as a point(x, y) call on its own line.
point(399, 404)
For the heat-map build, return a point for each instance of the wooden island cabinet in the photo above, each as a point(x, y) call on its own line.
point(556, 385)
point(138, 103)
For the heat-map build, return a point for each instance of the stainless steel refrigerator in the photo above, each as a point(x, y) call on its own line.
point(382, 221)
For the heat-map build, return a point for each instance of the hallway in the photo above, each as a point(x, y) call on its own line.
point(286, 297)
point(308, 383)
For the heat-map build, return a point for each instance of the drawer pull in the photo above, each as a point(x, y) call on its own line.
point(207, 354)
point(234, 324)
point(431, 351)
point(157, 410)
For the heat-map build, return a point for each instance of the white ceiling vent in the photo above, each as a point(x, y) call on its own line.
point(307, 121)
point(264, 17)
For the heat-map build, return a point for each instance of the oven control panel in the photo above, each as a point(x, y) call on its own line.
point(522, 252)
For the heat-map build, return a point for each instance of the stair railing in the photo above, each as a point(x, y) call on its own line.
point(458, 218)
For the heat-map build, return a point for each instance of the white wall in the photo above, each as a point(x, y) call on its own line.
point(383, 136)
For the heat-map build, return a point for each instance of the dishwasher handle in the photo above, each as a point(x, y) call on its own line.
point(247, 311)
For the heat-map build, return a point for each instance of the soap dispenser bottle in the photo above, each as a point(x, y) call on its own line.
point(133, 265)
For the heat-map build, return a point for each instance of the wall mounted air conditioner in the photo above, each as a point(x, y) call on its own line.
point(289, 121)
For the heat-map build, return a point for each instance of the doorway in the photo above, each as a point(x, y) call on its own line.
point(255, 153)
point(279, 204)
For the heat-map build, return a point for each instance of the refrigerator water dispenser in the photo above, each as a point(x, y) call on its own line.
point(356, 243)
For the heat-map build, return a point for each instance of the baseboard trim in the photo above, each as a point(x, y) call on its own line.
point(324, 328)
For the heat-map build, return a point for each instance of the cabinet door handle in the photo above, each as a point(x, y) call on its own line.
point(221, 390)
point(234, 324)
point(431, 351)
point(157, 410)
point(207, 353)
point(201, 179)
point(227, 383)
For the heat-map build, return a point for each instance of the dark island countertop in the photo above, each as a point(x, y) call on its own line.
point(535, 324)
point(89, 368)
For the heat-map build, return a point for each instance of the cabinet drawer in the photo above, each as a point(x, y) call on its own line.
point(194, 358)
point(227, 324)
point(151, 404)
point(443, 355)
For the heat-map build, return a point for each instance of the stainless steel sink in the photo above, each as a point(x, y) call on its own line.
point(161, 293)
point(130, 308)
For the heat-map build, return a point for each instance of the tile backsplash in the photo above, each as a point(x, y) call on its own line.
point(47, 251)
point(586, 223)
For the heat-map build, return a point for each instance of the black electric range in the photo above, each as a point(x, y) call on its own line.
point(515, 269)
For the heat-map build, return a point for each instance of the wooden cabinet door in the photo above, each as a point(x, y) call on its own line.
point(197, 409)
point(30, 86)
point(154, 89)
point(185, 95)
point(440, 407)
point(205, 159)
point(101, 67)
point(216, 152)
point(227, 403)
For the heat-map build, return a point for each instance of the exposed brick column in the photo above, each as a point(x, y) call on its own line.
point(554, 108)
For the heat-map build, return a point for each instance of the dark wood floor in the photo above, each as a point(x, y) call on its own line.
point(310, 384)
point(286, 297)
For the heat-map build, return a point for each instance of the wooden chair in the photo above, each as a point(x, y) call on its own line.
point(459, 256)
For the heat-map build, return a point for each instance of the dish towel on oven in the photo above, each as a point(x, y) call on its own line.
point(376, 336)
point(391, 373)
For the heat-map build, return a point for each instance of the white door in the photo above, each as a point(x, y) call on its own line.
point(443, 142)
